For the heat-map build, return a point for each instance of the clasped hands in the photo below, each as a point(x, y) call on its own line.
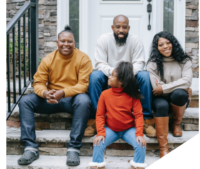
point(53, 96)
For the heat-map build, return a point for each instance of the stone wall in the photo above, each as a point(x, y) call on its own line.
point(192, 33)
point(47, 22)
point(48, 27)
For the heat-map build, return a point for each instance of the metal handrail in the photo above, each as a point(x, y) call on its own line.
point(32, 9)
point(18, 15)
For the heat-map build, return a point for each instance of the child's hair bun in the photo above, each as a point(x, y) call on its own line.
point(67, 28)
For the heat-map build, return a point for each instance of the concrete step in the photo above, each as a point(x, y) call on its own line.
point(59, 162)
point(63, 136)
point(55, 143)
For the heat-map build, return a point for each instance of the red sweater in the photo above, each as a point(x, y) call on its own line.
point(117, 107)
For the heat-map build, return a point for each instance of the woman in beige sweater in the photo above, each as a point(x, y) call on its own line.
point(170, 70)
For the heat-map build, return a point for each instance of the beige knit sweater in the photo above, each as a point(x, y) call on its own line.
point(176, 76)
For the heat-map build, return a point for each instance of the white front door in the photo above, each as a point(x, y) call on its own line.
point(96, 18)
point(100, 18)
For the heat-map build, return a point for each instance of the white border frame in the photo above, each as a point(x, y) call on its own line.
point(179, 20)
point(62, 14)
point(120, 2)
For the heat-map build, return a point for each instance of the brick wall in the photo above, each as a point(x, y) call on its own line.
point(47, 22)
point(192, 33)
point(48, 27)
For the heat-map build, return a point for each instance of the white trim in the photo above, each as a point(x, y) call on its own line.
point(144, 165)
point(83, 30)
point(161, 19)
point(62, 14)
point(179, 20)
point(120, 2)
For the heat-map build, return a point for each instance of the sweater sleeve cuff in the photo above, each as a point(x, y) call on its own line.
point(111, 70)
point(164, 88)
point(139, 134)
point(66, 92)
point(101, 134)
point(41, 93)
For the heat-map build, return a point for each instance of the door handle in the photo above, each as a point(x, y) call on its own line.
point(149, 10)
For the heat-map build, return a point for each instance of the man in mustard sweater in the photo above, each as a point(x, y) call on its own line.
point(59, 84)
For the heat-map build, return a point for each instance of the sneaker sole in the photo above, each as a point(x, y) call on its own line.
point(27, 163)
point(73, 163)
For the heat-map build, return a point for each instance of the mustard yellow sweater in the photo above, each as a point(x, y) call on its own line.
point(67, 73)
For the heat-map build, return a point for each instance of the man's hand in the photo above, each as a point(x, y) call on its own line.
point(98, 139)
point(53, 96)
point(59, 94)
point(49, 95)
point(142, 141)
point(158, 90)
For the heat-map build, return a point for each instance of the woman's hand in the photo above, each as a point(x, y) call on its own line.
point(98, 139)
point(142, 141)
point(158, 90)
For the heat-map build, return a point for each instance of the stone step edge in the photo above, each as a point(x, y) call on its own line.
point(189, 113)
point(63, 136)
point(59, 162)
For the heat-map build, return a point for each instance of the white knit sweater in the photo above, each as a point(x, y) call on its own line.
point(108, 54)
point(176, 76)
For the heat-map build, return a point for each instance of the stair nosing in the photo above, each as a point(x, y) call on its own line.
point(63, 136)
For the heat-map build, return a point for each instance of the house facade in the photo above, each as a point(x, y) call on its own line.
point(91, 18)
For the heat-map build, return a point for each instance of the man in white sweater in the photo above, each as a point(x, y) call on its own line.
point(112, 48)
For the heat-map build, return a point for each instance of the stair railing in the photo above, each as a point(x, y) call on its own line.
point(28, 45)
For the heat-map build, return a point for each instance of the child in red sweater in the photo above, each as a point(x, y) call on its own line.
point(119, 115)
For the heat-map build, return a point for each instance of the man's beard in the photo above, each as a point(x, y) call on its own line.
point(120, 41)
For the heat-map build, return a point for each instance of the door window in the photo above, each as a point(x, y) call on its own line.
point(168, 16)
point(74, 19)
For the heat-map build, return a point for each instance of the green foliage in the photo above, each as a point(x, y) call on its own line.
point(17, 54)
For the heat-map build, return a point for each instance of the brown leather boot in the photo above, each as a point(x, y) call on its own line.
point(148, 128)
point(91, 128)
point(162, 130)
point(177, 116)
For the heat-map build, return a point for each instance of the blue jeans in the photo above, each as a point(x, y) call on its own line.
point(78, 105)
point(99, 82)
point(111, 136)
